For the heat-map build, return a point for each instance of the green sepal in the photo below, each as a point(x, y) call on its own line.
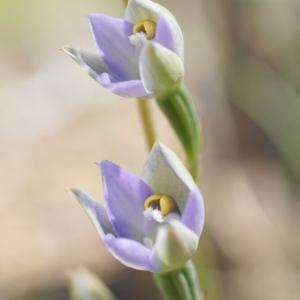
point(180, 110)
point(181, 284)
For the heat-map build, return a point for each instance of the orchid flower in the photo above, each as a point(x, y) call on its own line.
point(139, 56)
point(149, 223)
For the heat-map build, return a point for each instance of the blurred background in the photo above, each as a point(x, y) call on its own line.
point(242, 62)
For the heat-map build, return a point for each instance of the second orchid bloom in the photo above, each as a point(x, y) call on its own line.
point(139, 56)
point(149, 223)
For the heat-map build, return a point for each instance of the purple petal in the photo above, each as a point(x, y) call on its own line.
point(124, 194)
point(111, 36)
point(169, 35)
point(96, 212)
point(128, 252)
point(140, 10)
point(127, 89)
point(150, 228)
point(193, 215)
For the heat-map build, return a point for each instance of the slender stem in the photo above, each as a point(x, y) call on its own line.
point(166, 287)
point(180, 284)
point(143, 105)
point(125, 2)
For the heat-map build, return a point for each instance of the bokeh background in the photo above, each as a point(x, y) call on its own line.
point(242, 62)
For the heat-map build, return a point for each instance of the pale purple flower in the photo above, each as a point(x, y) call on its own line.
point(142, 237)
point(135, 62)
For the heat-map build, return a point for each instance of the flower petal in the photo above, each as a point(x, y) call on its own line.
point(161, 70)
point(128, 89)
point(193, 215)
point(165, 174)
point(95, 211)
point(124, 194)
point(91, 62)
point(128, 252)
point(169, 35)
point(140, 10)
point(175, 244)
point(111, 36)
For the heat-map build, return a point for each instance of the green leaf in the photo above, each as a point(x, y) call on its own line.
point(182, 115)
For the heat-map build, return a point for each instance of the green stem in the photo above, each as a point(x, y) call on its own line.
point(180, 284)
point(125, 2)
point(166, 287)
point(143, 105)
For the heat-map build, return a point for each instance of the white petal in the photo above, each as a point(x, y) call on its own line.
point(161, 70)
point(140, 10)
point(165, 174)
point(91, 62)
point(96, 212)
point(174, 246)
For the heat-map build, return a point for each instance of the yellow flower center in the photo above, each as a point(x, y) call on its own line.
point(164, 203)
point(148, 27)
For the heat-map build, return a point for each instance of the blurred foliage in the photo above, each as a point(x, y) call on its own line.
point(57, 294)
point(261, 61)
point(84, 285)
